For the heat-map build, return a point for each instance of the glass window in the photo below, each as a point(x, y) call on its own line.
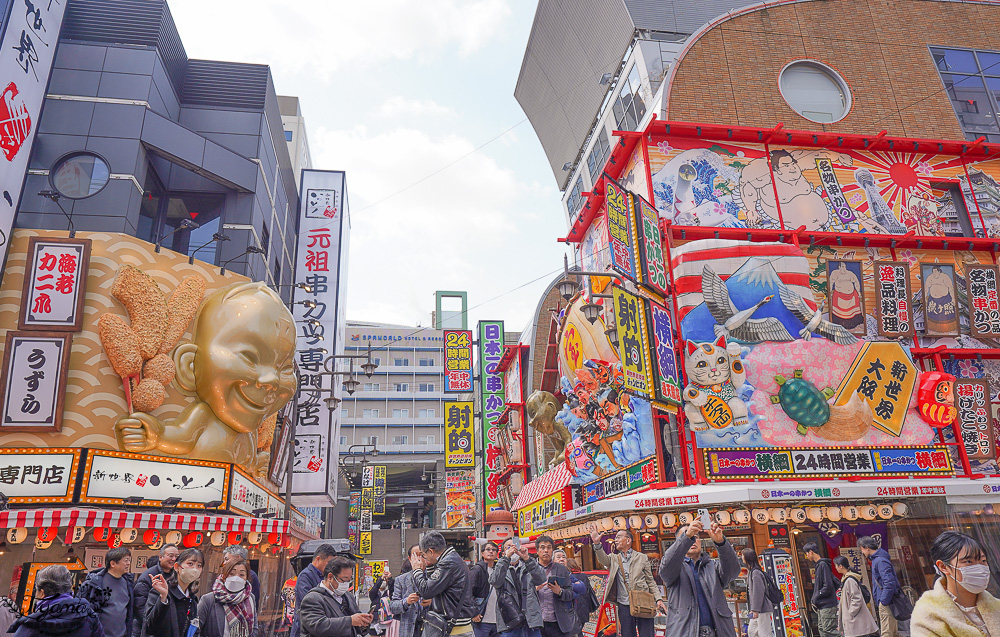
point(400, 413)
point(401, 386)
point(971, 103)
point(427, 362)
point(426, 440)
point(814, 91)
point(343, 440)
point(288, 135)
point(171, 217)
point(79, 175)
point(629, 107)
point(989, 62)
point(343, 412)
point(400, 440)
point(401, 362)
point(426, 413)
point(426, 386)
point(955, 61)
point(598, 155)
point(370, 440)
point(575, 200)
point(972, 81)
point(370, 413)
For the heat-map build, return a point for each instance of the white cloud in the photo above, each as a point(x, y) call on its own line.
point(399, 106)
point(323, 37)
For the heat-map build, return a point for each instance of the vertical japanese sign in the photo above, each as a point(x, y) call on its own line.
point(633, 341)
point(984, 308)
point(459, 450)
point(491, 391)
point(54, 285)
point(457, 361)
point(892, 287)
point(833, 192)
point(320, 267)
point(975, 417)
point(668, 385)
point(35, 365)
point(654, 272)
point(367, 504)
point(28, 48)
point(884, 376)
point(621, 229)
point(378, 490)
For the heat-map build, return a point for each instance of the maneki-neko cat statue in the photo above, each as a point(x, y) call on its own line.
point(715, 374)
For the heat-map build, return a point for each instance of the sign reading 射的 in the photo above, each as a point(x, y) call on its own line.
point(742, 463)
point(54, 284)
point(457, 361)
point(621, 229)
point(667, 384)
point(654, 272)
point(29, 47)
point(633, 341)
point(530, 518)
point(38, 475)
point(984, 307)
point(111, 476)
point(621, 482)
point(975, 418)
point(458, 439)
point(35, 366)
point(892, 287)
point(492, 403)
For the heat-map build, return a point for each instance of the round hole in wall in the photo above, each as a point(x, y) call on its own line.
point(815, 91)
point(79, 174)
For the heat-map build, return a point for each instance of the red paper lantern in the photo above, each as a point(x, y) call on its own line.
point(151, 537)
point(234, 537)
point(273, 538)
point(114, 541)
point(286, 541)
point(102, 533)
point(276, 549)
point(192, 539)
point(48, 534)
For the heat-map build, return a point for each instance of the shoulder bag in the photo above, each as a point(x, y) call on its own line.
point(640, 603)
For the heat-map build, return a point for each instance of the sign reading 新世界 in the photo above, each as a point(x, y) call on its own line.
point(458, 447)
point(667, 385)
point(892, 287)
point(35, 365)
point(768, 462)
point(654, 272)
point(54, 284)
point(112, 476)
point(633, 341)
point(492, 407)
point(984, 307)
point(975, 418)
point(621, 229)
point(457, 361)
point(622, 481)
point(38, 475)
point(884, 377)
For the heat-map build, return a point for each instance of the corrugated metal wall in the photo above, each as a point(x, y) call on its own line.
point(225, 84)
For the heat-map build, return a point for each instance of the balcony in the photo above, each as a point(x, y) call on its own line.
point(396, 395)
point(437, 421)
point(389, 368)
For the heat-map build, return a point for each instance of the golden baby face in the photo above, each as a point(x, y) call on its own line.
point(244, 363)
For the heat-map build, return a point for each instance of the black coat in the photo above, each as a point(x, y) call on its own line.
point(172, 618)
point(92, 589)
point(448, 584)
point(65, 616)
point(824, 585)
point(143, 585)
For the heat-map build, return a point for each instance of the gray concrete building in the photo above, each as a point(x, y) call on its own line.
point(196, 141)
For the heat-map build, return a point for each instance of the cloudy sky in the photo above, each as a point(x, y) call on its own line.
point(400, 94)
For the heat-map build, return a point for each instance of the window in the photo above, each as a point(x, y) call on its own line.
point(288, 135)
point(426, 386)
point(370, 440)
point(400, 413)
point(815, 91)
point(163, 212)
point(400, 440)
point(369, 413)
point(629, 107)
point(401, 386)
point(427, 362)
point(372, 387)
point(426, 413)
point(575, 200)
point(265, 240)
point(377, 360)
point(343, 440)
point(426, 440)
point(343, 412)
point(401, 362)
point(972, 81)
point(598, 155)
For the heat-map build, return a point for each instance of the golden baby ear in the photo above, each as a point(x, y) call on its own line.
point(184, 358)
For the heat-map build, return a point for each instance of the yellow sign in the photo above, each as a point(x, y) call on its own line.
point(458, 450)
point(378, 568)
point(633, 341)
point(366, 543)
point(883, 375)
point(529, 519)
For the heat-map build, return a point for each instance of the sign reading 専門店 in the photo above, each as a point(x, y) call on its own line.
point(30, 476)
point(742, 463)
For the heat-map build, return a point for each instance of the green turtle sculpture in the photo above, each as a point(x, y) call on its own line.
point(802, 401)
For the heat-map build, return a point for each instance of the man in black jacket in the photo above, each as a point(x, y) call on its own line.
point(555, 595)
point(485, 622)
point(164, 566)
point(824, 597)
point(445, 580)
point(109, 591)
point(329, 609)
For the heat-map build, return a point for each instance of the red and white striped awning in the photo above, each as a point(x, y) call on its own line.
point(33, 518)
point(552, 481)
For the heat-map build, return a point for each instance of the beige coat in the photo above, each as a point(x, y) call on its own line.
point(640, 573)
point(854, 618)
point(936, 615)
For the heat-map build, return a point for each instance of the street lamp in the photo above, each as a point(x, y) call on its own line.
point(251, 249)
point(567, 288)
point(218, 236)
point(186, 224)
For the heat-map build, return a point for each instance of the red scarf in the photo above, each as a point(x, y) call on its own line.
point(238, 606)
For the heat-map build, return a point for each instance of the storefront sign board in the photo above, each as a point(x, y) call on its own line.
point(111, 476)
point(742, 463)
point(640, 474)
point(459, 450)
point(457, 361)
point(38, 475)
point(55, 284)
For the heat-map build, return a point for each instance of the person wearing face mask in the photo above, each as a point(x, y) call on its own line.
point(229, 610)
point(628, 571)
point(958, 605)
point(172, 605)
point(162, 565)
point(330, 610)
point(405, 602)
point(515, 577)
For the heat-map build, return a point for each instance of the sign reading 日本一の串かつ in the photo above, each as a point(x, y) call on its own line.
point(492, 397)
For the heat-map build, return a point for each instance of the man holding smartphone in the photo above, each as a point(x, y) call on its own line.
point(630, 570)
point(555, 595)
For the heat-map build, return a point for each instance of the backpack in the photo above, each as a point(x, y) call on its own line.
point(867, 594)
point(772, 593)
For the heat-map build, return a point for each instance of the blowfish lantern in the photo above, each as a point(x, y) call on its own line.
point(936, 398)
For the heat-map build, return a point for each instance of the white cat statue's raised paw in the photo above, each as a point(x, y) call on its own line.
point(715, 373)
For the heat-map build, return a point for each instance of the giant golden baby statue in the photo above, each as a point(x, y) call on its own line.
point(238, 367)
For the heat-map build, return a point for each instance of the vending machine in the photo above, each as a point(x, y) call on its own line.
point(788, 618)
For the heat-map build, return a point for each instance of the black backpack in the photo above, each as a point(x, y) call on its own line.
point(867, 594)
point(772, 593)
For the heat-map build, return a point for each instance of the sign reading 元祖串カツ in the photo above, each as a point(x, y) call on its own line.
point(54, 284)
point(112, 476)
point(767, 462)
point(29, 47)
point(320, 265)
point(457, 361)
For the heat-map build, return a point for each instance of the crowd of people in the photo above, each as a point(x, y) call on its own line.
point(513, 593)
